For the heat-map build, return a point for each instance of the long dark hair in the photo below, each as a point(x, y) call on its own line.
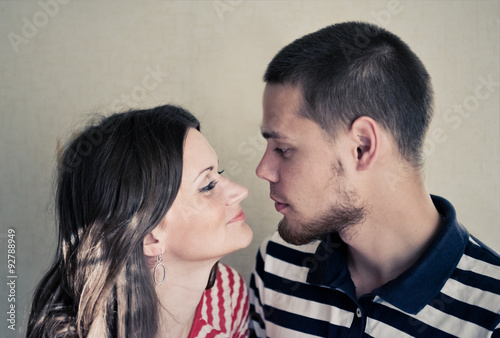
point(116, 181)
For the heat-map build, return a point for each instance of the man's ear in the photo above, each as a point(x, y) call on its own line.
point(151, 245)
point(365, 133)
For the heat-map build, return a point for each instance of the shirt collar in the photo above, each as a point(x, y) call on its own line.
point(418, 285)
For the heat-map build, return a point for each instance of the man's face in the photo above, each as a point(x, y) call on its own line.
point(305, 170)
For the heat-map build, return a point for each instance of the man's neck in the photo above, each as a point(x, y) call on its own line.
point(392, 238)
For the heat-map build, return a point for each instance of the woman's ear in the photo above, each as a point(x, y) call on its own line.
point(151, 245)
point(365, 133)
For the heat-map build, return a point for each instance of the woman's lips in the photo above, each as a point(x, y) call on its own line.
point(239, 217)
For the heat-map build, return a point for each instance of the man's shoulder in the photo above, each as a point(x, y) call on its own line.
point(475, 281)
point(480, 260)
point(274, 245)
point(486, 253)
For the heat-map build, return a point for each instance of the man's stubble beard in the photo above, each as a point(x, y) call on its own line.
point(341, 218)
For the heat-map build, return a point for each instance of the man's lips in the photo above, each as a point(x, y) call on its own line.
point(278, 204)
point(239, 217)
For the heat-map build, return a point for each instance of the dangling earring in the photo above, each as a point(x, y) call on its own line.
point(159, 259)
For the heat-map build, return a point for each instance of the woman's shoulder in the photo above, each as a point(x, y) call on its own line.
point(228, 270)
point(228, 277)
point(224, 307)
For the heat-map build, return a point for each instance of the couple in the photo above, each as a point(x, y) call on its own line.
point(363, 250)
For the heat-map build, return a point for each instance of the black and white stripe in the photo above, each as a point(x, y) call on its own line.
point(466, 303)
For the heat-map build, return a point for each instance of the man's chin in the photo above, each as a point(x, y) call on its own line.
point(301, 233)
point(290, 234)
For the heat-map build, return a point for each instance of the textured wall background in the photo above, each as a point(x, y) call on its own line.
point(62, 60)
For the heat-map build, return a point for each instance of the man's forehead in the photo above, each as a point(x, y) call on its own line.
point(292, 128)
point(271, 134)
point(279, 125)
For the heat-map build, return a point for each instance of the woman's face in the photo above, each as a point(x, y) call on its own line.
point(206, 220)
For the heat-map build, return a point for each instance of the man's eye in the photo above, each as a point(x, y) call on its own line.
point(281, 151)
point(209, 186)
point(220, 172)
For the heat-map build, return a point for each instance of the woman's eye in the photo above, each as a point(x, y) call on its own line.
point(281, 151)
point(212, 183)
point(209, 186)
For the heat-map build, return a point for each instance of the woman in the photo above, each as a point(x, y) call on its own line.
point(144, 216)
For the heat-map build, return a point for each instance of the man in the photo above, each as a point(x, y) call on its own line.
point(363, 250)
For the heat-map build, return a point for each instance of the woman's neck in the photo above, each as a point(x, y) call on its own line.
point(180, 295)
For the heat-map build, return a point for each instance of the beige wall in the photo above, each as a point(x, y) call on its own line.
point(58, 63)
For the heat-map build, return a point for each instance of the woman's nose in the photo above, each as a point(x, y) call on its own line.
point(237, 193)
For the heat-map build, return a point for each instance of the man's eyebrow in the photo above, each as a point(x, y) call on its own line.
point(272, 135)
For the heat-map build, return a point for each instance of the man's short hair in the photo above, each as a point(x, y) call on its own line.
point(355, 69)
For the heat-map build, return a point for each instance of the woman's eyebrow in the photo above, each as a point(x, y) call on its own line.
point(201, 172)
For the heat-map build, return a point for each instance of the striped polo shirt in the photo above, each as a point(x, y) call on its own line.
point(306, 291)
